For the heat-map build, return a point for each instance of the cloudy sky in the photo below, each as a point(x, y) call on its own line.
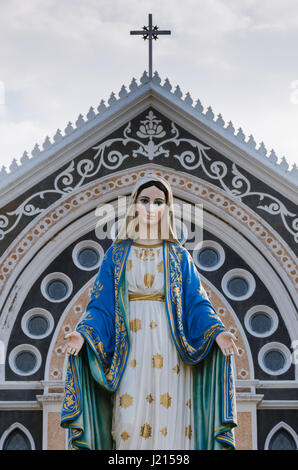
point(59, 57)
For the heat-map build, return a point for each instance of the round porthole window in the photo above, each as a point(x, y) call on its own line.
point(261, 321)
point(238, 284)
point(56, 287)
point(209, 255)
point(25, 359)
point(274, 358)
point(37, 323)
point(87, 255)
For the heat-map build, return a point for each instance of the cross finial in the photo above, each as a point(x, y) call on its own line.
point(149, 32)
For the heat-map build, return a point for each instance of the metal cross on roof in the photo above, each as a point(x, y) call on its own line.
point(149, 32)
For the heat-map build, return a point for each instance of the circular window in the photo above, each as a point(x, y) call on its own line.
point(238, 284)
point(37, 323)
point(209, 255)
point(261, 321)
point(56, 287)
point(274, 358)
point(25, 359)
point(87, 255)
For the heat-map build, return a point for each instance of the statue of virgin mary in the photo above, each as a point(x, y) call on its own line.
point(149, 363)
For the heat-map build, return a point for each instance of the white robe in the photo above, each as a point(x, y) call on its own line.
point(152, 408)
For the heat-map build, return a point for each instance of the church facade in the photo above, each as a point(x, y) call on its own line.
point(54, 234)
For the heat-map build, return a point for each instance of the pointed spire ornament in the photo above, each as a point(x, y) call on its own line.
point(91, 114)
point(144, 78)
point(36, 151)
point(272, 157)
point(167, 86)
point(219, 121)
point(188, 99)
point(47, 143)
point(58, 136)
point(198, 106)
point(240, 135)
point(69, 129)
point(101, 107)
point(209, 114)
point(24, 158)
point(112, 99)
point(133, 85)
point(178, 92)
point(13, 166)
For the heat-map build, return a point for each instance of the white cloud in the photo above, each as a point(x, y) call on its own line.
point(61, 57)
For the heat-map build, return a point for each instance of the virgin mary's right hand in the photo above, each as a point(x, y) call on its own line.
point(74, 344)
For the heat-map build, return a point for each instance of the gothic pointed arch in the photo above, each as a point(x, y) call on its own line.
point(17, 437)
point(282, 437)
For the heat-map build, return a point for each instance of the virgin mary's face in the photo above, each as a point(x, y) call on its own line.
point(150, 205)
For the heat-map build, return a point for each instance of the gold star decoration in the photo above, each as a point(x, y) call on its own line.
point(149, 398)
point(126, 400)
point(176, 369)
point(125, 436)
point(146, 431)
point(188, 403)
point(135, 325)
point(153, 325)
point(188, 431)
point(133, 363)
point(164, 431)
point(166, 400)
point(157, 361)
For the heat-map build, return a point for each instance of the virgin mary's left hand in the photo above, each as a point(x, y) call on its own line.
point(225, 341)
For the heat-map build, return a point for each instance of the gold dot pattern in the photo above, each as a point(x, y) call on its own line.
point(155, 390)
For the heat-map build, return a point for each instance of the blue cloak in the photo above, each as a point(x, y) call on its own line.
point(95, 373)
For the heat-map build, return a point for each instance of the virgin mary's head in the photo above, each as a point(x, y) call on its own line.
point(150, 212)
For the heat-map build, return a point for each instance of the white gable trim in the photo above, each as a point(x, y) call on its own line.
point(203, 125)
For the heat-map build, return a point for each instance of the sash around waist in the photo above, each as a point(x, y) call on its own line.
point(159, 297)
